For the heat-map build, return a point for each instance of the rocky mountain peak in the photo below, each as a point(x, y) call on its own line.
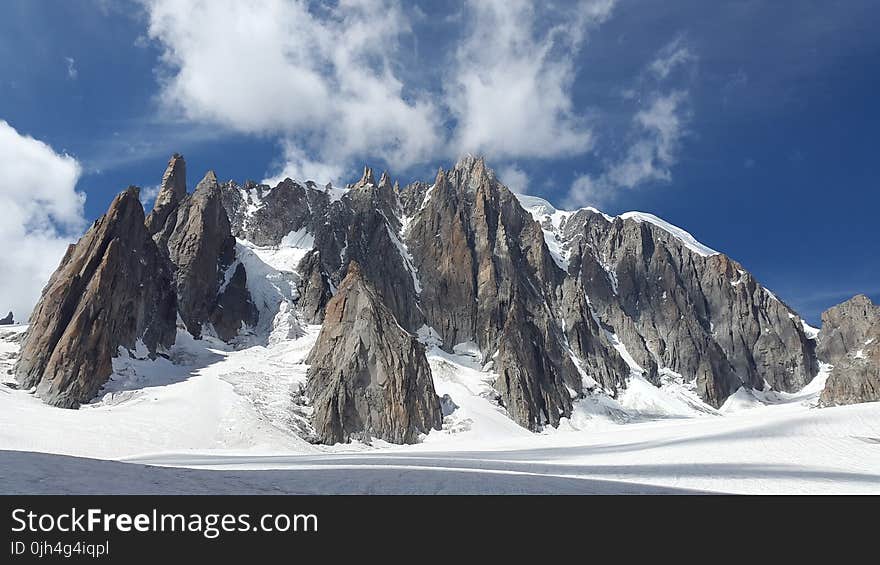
point(8, 320)
point(174, 180)
point(471, 173)
point(367, 179)
point(171, 192)
point(580, 303)
point(850, 343)
point(368, 377)
point(208, 182)
point(385, 181)
point(112, 289)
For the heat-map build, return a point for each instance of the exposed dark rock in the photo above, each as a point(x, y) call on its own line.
point(607, 301)
point(278, 211)
point(368, 376)
point(172, 191)
point(112, 289)
point(210, 285)
point(490, 279)
point(700, 315)
point(7, 321)
point(850, 342)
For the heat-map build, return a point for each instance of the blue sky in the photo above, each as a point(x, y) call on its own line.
point(750, 124)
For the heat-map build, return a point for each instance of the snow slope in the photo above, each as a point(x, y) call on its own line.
point(226, 420)
point(552, 219)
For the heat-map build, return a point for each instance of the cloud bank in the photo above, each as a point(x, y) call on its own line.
point(42, 213)
point(334, 85)
point(329, 81)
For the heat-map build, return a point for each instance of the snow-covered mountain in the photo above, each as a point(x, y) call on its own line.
point(450, 309)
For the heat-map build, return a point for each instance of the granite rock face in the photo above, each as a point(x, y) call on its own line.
point(369, 377)
point(488, 278)
point(850, 342)
point(7, 320)
point(559, 305)
point(112, 290)
point(211, 286)
point(172, 191)
point(693, 312)
point(127, 281)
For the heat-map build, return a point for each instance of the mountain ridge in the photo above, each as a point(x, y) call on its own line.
point(561, 305)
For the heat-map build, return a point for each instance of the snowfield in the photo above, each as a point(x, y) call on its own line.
point(216, 420)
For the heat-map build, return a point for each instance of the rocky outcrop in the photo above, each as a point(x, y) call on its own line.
point(127, 281)
point(112, 290)
point(850, 342)
point(685, 309)
point(7, 321)
point(368, 376)
point(172, 191)
point(489, 279)
point(210, 284)
point(559, 304)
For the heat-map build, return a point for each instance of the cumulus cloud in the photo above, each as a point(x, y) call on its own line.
point(327, 80)
point(656, 132)
point(296, 164)
point(510, 90)
point(42, 213)
point(322, 78)
point(148, 195)
point(331, 84)
point(514, 178)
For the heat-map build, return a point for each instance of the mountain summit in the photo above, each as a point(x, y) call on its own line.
point(557, 305)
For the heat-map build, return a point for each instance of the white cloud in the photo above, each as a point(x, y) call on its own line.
point(71, 68)
point(510, 90)
point(658, 129)
point(656, 132)
point(296, 165)
point(321, 78)
point(42, 213)
point(514, 178)
point(675, 54)
point(326, 80)
point(148, 196)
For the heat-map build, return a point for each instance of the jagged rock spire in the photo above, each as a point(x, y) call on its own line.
point(385, 180)
point(171, 192)
point(367, 178)
point(112, 289)
point(850, 343)
point(7, 321)
point(368, 376)
point(208, 181)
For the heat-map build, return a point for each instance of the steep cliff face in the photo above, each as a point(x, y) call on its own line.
point(850, 342)
point(211, 286)
point(127, 280)
point(368, 376)
point(677, 305)
point(559, 304)
point(172, 192)
point(490, 279)
point(112, 289)
point(361, 223)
